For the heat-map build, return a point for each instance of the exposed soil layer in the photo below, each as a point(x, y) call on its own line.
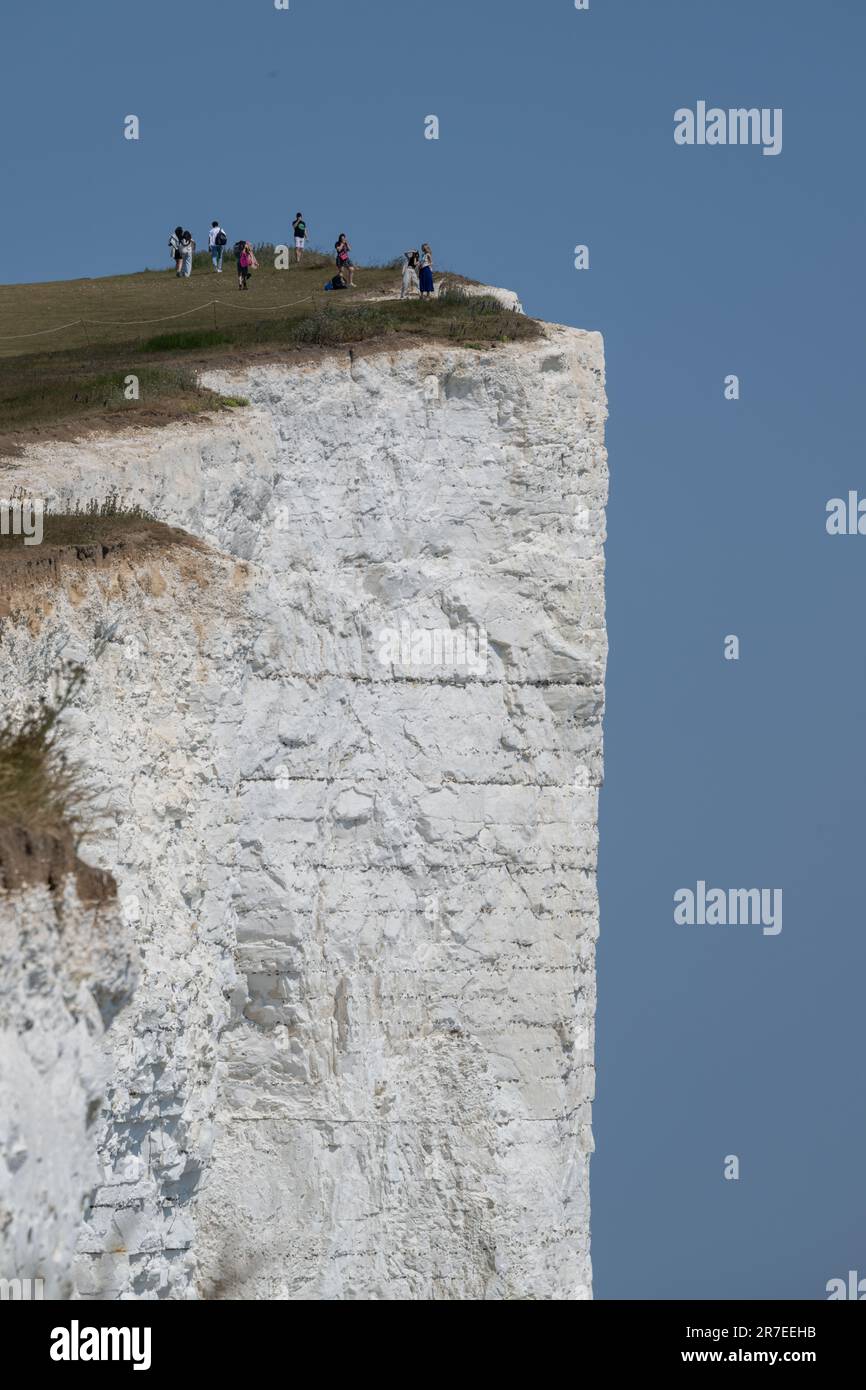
point(27, 860)
point(25, 566)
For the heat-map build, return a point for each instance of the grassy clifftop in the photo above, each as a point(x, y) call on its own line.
point(117, 308)
point(87, 338)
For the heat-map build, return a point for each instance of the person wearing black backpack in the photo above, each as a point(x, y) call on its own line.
point(216, 244)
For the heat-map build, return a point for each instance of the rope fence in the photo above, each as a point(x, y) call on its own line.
point(166, 318)
point(253, 308)
point(38, 334)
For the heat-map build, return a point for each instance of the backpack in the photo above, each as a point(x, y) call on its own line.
point(220, 239)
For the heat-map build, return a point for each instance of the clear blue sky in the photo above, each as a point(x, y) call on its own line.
point(557, 129)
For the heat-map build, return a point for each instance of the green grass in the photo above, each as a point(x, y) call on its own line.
point(184, 342)
point(55, 391)
point(83, 524)
point(132, 308)
point(86, 530)
point(264, 253)
point(76, 380)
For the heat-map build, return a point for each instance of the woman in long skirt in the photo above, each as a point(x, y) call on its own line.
point(426, 272)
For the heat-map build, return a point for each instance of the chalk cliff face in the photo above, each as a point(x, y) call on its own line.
point(360, 868)
point(66, 966)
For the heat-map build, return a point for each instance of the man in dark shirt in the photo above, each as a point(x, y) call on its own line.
point(299, 227)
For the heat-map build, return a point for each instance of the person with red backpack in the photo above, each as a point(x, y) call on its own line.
point(247, 263)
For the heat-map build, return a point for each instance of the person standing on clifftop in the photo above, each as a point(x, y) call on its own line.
point(344, 259)
point(216, 242)
point(426, 273)
point(299, 227)
point(187, 251)
point(174, 248)
point(247, 263)
point(410, 273)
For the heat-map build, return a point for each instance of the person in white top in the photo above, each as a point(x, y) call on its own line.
point(216, 244)
point(187, 251)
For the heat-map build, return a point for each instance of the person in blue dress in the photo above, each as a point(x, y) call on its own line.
point(425, 272)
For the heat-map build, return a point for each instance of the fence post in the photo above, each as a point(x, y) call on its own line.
point(86, 334)
point(213, 306)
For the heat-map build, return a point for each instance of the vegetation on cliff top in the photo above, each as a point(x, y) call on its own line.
point(39, 541)
point(61, 384)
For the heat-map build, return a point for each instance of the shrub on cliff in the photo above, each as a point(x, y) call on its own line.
point(41, 790)
point(45, 804)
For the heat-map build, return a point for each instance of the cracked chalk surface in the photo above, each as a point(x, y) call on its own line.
point(359, 1061)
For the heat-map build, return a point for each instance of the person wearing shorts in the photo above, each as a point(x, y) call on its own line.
point(345, 263)
point(299, 227)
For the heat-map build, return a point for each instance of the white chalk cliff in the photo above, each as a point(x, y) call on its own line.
point(358, 1062)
